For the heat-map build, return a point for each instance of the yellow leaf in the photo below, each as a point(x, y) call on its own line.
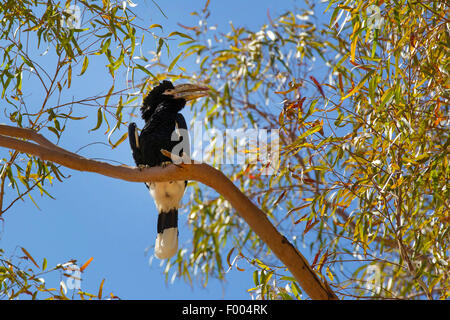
point(84, 266)
point(172, 64)
point(109, 95)
point(329, 274)
point(287, 91)
point(155, 25)
point(29, 257)
point(353, 47)
point(69, 76)
point(397, 183)
point(354, 36)
point(85, 65)
point(122, 138)
point(100, 290)
point(359, 86)
point(177, 33)
point(395, 166)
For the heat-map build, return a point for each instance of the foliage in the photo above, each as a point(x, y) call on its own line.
point(361, 102)
point(363, 174)
point(26, 279)
point(32, 33)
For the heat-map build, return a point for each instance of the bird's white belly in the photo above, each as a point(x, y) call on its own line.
point(167, 195)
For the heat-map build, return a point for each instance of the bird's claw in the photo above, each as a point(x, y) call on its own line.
point(165, 164)
point(142, 167)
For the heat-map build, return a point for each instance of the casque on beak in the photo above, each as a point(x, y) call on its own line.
point(187, 91)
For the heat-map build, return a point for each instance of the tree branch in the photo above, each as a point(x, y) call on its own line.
point(256, 219)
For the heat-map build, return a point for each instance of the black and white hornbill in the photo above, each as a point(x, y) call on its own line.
point(160, 111)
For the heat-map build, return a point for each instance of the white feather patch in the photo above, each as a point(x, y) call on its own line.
point(167, 195)
point(166, 244)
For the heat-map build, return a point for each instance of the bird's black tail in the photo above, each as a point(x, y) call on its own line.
point(166, 244)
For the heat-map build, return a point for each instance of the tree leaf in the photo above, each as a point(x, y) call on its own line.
point(122, 138)
point(85, 65)
point(155, 25)
point(140, 67)
point(100, 289)
point(177, 33)
point(84, 266)
point(99, 119)
point(359, 86)
point(29, 256)
point(174, 61)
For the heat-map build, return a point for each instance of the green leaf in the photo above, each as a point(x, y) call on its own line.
point(54, 131)
point(119, 61)
point(85, 65)
point(105, 46)
point(172, 64)
point(155, 25)
point(308, 133)
point(140, 67)
point(360, 85)
point(72, 117)
point(386, 97)
point(160, 44)
point(109, 95)
point(296, 289)
point(255, 277)
point(99, 119)
point(177, 33)
point(122, 138)
point(69, 76)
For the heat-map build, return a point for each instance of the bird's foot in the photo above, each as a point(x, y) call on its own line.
point(165, 164)
point(142, 166)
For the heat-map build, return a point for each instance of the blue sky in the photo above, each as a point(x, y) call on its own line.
point(111, 220)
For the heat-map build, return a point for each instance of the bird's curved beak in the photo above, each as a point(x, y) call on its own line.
point(187, 91)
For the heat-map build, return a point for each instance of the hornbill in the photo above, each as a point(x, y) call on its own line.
point(163, 122)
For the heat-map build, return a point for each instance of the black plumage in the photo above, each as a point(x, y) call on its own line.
point(163, 129)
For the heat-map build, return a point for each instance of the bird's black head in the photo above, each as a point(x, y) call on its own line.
point(174, 96)
point(154, 98)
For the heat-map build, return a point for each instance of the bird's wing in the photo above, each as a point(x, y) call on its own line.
point(181, 124)
point(133, 138)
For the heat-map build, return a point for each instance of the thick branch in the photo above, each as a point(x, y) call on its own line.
point(256, 219)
